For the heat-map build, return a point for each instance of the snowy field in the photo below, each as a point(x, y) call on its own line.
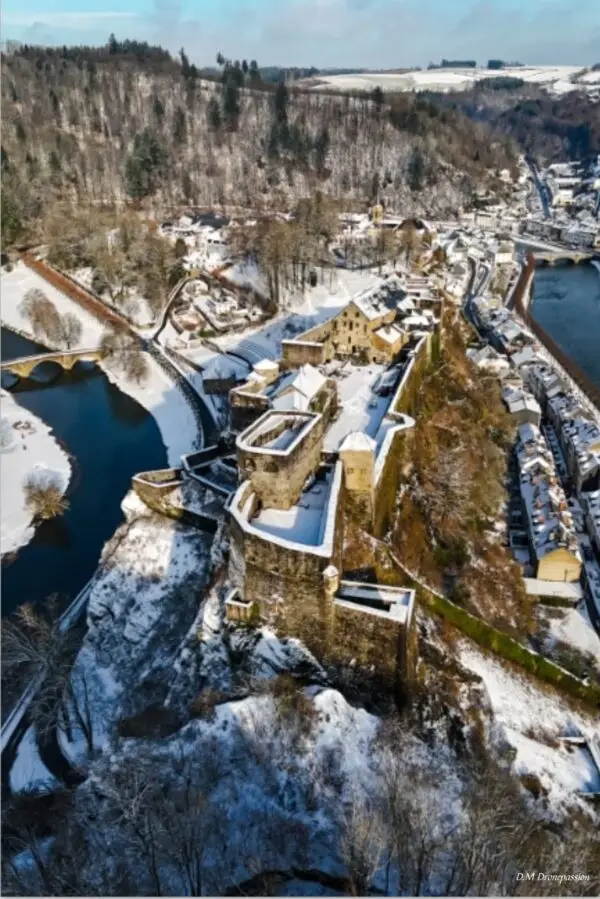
point(26, 445)
point(15, 285)
point(557, 79)
point(157, 394)
point(530, 719)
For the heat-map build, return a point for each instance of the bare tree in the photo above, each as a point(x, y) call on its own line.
point(42, 314)
point(35, 642)
point(121, 348)
point(362, 844)
point(71, 330)
point(44, 494)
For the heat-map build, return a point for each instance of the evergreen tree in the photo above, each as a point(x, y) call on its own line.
point(281, 102)
point(231, 103)
point(322, 147)
point(145, 165)
point(214, 114)
point(179, 126)
point(416, 169)
point(158, 109)
point(377, 97)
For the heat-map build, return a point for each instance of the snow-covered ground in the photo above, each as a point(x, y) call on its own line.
point(15, 285)
point(133, 305)
point(573, 627)
point(26, 445)
point(28, 772)
point(531, 719)
point(157, 394)
point(553, 78)
point(150, 582)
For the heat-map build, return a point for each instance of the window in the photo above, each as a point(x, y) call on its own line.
point(351, 325)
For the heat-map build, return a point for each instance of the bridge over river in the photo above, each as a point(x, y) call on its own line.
point(24, 365)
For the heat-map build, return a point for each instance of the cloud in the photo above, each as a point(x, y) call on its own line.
point(328, 33)
point(65, 19)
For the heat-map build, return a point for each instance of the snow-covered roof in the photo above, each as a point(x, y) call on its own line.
point(358, 441)
point(389, 333)
point(550, 523)
point(308, 380)
point(266, 365)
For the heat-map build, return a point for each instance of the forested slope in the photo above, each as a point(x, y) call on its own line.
point(111, 125)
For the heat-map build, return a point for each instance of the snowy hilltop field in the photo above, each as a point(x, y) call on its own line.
point(26, 447)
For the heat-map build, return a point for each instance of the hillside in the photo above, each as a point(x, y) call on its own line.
point(551, 129)
point(110, 126)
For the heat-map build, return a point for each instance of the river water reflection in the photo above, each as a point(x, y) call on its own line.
point(111, 437)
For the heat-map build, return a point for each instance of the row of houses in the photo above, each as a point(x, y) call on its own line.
point(534, 390)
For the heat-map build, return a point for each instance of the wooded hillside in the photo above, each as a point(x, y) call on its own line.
point(129, 122)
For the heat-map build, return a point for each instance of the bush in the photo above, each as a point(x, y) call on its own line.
point(44, 494)
point(153, 722)
point(294, 709)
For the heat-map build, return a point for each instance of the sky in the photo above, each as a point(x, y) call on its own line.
point(324, 33)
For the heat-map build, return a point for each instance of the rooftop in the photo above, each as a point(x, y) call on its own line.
point(550, 523)
point(276, 432)
point(361, 408)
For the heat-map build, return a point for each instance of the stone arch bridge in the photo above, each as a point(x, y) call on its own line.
point(24, 365)
point(561, 257)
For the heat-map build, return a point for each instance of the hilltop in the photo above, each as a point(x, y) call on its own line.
point(129, 123)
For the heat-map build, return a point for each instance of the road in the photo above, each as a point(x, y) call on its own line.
point(540, 187)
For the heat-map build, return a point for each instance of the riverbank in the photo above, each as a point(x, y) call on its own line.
point(158, 395)
point(26, 445)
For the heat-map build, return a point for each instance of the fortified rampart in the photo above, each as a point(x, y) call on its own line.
point(278, 453)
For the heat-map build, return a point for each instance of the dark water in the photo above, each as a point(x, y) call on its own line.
point(111, 438)
point(566, 302)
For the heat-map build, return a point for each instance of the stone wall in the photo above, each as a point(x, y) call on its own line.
point(278, 478)
point(374, 643)
point(297, 353)
point(246, 407)
point(287, 583)
point(396, 470)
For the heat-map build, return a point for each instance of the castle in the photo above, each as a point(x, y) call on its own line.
point(322, 442)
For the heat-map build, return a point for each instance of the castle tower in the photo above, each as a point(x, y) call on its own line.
point(357, 454)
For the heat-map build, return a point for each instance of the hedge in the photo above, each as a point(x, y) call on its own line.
point(508, 648)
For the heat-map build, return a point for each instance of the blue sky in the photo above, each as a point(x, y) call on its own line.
point(372, 33)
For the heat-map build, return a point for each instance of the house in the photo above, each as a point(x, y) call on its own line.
point(505, 254)
point(302, 390)
point(362, 329)
point(550, 527)
point(522, 405)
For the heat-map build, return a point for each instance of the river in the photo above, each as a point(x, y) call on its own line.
point(566, 302)
point(110, 437)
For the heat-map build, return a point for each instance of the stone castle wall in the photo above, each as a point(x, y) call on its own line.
point(279, 478)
